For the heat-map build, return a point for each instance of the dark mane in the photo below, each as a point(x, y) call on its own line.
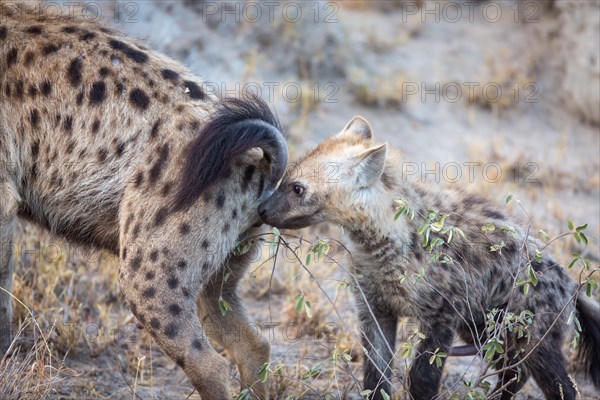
point(235, 127)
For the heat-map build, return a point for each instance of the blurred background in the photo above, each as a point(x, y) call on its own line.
point(502, 97)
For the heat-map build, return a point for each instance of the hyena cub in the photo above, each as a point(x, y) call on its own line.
point(447, 295)
point(110, 144)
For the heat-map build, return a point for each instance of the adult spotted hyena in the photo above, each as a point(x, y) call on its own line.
point(454, 292)
point(110, 144)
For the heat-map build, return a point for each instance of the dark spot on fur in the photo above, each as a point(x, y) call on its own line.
point(139, 99)
point(138, 56)
point(124, 253)
point(19, 89)
point(248, 174)
point(182, 264)
point(103, 71)
point(35, 118)
point(161, 216)
point(96, 126)
point(149, 292)
point(226, 227)
point(139, 178)
point(169, 74)
point(102, 155)
point(136, 263)
point(155, 323)
point(155, 128)
point(157, 168)
point(33, 91)
point(49, 49)
point(173, 282)
point(34, 30)
point(180, 361)
point(220, 200)
point(234, 213)
point(175, 310)
point(184, 229)
point(87, 36)
point(154, 255)
point(74, 72)
point(69, 29)
point(97, 93)
point(46, 88)
point(80, 98)
point(136, 230)
point(11, 56)
point(3, 33)
point(68, 124)
point(35, 149)
point(171, 330)
point(150, 275)
point(120, 149)
point(166, 189)
point(29, 57)
point(205, 244)
point(195, 91)
point(493, 214)
point(197, 344)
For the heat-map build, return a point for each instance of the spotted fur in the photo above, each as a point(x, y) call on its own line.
point(99, 138)
point(451, 298)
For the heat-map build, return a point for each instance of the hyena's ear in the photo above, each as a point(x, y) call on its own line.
point(358, 126)
point(369, 165)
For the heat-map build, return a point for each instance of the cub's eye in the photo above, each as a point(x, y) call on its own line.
point(298, 189)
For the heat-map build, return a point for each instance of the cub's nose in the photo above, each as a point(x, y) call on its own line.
point(262, 209)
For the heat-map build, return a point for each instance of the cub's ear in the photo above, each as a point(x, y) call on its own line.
point(358, 126)
point(369, 165)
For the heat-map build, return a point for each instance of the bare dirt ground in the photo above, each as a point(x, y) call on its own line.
point(409, 73)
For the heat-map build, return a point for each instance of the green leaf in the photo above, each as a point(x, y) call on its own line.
point(308, 259)
point(581, 228)
point(224, 306)
point(583, 238)
point(571, 225)
point(509, 198)
point(299, 302)
point(307, 309)
point(384, 395)
point(264, 371)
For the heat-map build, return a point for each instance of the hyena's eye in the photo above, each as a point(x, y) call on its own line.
point(298, 189)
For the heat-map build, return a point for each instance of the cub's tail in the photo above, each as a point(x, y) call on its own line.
point(589, 347)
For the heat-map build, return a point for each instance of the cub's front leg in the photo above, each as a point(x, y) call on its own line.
point(424, 377)
point(378, 328)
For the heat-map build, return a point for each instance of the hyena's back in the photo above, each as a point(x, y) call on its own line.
point(84, 112)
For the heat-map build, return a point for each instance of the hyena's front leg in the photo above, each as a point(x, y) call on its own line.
point(164, 301)
point(8, 211)
point(379, 340)
point(425, 376)
point(234, 331)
